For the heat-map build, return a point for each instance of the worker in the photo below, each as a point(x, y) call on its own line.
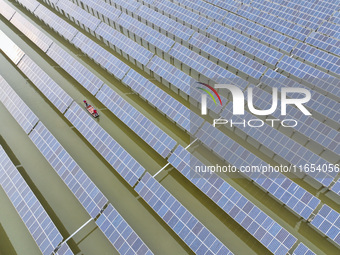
point(95, 112)
point(85, 103)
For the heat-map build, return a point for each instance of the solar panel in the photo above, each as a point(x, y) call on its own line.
point(69, 171)
point(308, 126)
point(181, 80)
point(167, 25)
point(324, 42)
point(268, 232)
point(273, 22)
point(64, 250)
point(302, 250)
point(101, 56)
point(141, 125)
point(6, 10)
point(328, 222)
point(258, 32)
point(319, 80)
point(123, 44)
point(100, 9)
point(335, 18)
point(243, 43)
point(176, 111)
point(59, 25)
point(18, 109)
point(127, 6)
point(336, 187)
point(289, 193)
point(149, 35)
point(178, 218)
point(78, 71)
point(330, 29)
point(318, 57)
point(81, 17)
point(32, 32)
point(205, 67)
point(120, 234)
point(115, 154)
point(58, 97)
point(233, 60)
point(30, 210)
point(29, 4)
point(230, 5)
point(318, 103)
point(188, 18)
point(7, 46)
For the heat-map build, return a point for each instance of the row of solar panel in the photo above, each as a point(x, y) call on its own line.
point(268, 232)
point(82, 187)
point(179, 219)
point(39, 224)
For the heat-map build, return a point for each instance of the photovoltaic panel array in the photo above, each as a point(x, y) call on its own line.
point(328, 222)
point(7, 46)
point(32, 32)
point(78, 71)
point(142, 126)
point(18, 109)
point(179, 219)
point(29, 5)
point(58, 97)
point(302, 250)
point(101, 56)
point(166, 24)
point(69, 171)
point(37, 221)
point(176, 111)
point(336, 187)
point(324, 42)
point(268, 232)
point(282, 145)
point(289, 193)
point(6, 10)
point(330, 29)
point(115, 154)
point(120, 234)
point(125, 5)
point(64, 250)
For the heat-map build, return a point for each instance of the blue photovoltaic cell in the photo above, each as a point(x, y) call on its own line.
point(175, 11)
point(69, 171)
point(318, 79)
point(145, 32)
point(78, 71)
point(318, 57)
point(289, 193)
point(241, 42)
point(290, 150)
point(205, 66)
point(302, 250)
point(254, 220)
point(336, 187)
point(78, 14)
point(141, 125)
point(64, 250)
point(266, 35)
point(101, 56)
point(37, 221)
point(18, 109)
point(58, 97)
point(115, 154)
point(182, 81)
point(6, 10)
point(32, 32)
point(312, 128)
point(319, 103)
point(119, 41)
point(179, 219)
point(228, 56)
point(165, 23)
point(7, 46)
point(29, 4)
point(176, 111)
point(59, 25)
point(328, 222)
point(120, 234)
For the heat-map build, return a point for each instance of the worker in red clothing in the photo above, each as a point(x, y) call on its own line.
point(95, 112)
point(85, 103)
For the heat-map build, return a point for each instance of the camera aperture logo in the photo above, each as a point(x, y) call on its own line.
point(238, 104)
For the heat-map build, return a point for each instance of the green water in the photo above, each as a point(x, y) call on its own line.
point(67, 213)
